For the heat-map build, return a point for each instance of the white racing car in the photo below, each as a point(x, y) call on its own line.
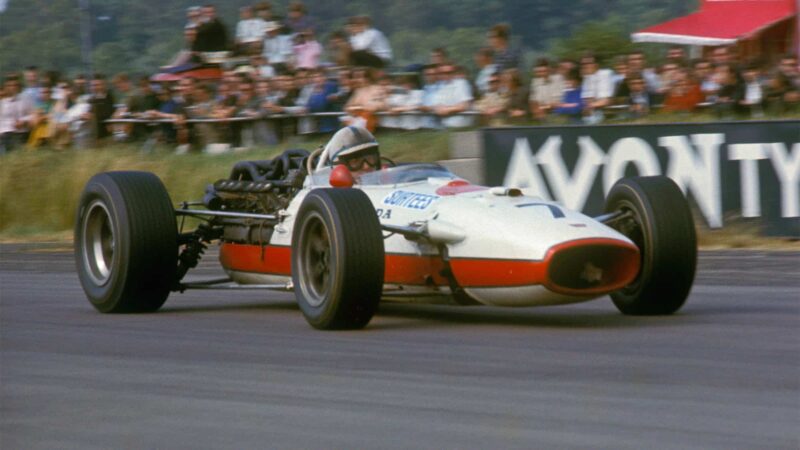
point(411, 232)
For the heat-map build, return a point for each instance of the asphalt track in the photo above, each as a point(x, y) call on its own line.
point(243, 370)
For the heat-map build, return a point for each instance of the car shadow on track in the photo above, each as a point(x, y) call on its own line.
point(411, 316)
point(252, 306)
point(529, 317)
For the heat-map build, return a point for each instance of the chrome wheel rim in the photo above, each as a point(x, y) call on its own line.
point(315, 262)
point(98, 243)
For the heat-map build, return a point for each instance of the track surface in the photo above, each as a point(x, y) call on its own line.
point(243, 370)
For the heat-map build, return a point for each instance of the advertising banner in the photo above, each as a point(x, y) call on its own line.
point(728, 170)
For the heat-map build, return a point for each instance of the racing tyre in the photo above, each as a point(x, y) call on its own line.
point(337, 259)
point(659, 221)
point(126, 246)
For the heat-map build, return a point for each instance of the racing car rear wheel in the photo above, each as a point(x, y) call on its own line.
point(337, 259)
point(658, 219)
point(126, 242)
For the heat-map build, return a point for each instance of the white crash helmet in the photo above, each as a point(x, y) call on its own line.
point(347, 141)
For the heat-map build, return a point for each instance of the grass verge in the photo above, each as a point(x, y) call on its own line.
point(39, 189)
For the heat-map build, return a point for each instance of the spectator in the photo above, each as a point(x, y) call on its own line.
point(517, 94)
point(453, 97)
point(368, 98)
point(339, 48)
point(752, 101)
point(571, 105)
point(264, 11)
point(102, 106)
point(250, 31)
point(318, 101)
point(703, 73)
point(194, 17)
point(123, 90)
point(60, 131)
point(504, 56)
point(169, 108)
point(261, 67)
point(370, 46)
point(32, 84)
point(405, 97)
point(298, 20)
point(439, 56)
point(790, 77)
point(80, 84)
point(638, 99)
point(493, 104)
point(545, 91)
point(729, 92)
point(676, 55)
point(203, 108)
point(343, 91)
point(637, 63)
point(684, 93)
point(596, 89)
point(212, 36)
point(620, 72)
point(307, 50)
point(40, 122)
point(720, 56)
point(75, 126)
point(430, 93)
point(141, 100)
point(277, 47)
point(484, 59)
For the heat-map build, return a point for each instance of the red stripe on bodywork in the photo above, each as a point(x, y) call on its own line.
point(469, 272)
point(414, 270)
point(271, 259)
point(476, 272)
point(459, 187)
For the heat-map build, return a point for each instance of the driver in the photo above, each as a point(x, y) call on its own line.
point(355, 148)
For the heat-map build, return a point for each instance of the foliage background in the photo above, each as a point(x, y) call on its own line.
point(139, 36)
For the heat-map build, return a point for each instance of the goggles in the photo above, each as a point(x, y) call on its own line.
point(355, 163)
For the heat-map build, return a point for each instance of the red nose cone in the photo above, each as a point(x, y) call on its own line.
point(341, 177)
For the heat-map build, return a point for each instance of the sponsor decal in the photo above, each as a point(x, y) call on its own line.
point(410, 200)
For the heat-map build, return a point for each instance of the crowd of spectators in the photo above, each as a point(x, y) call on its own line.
point(279, 80)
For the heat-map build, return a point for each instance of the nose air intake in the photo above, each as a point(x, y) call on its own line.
point(591, 267)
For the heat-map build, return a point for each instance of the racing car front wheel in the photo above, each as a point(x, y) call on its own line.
point(658, 220)
point(337, 259)
point(126, 242)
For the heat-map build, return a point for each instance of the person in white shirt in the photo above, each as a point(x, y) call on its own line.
point(403, 98)
point(277, 47)
point(453, 98)
point(250, 31)
point(546, 90)
point(753, 92)
point(371, 48)
point(597, 89)
point(16, 112)
point(486, 68)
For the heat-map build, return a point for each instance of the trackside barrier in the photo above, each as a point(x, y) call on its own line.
point(746, 169)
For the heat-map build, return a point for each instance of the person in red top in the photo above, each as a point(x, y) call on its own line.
point(684, 95)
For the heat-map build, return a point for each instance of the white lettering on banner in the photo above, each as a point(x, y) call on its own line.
point(522, 171)
point(626, 151)
point(693, 164)
point(700, 175)
point(748, 155)
point(788, 169)
point(571, 191)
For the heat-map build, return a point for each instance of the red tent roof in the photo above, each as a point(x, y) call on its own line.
point(719, 22)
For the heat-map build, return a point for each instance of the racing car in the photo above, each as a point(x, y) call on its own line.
point(411, 232)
